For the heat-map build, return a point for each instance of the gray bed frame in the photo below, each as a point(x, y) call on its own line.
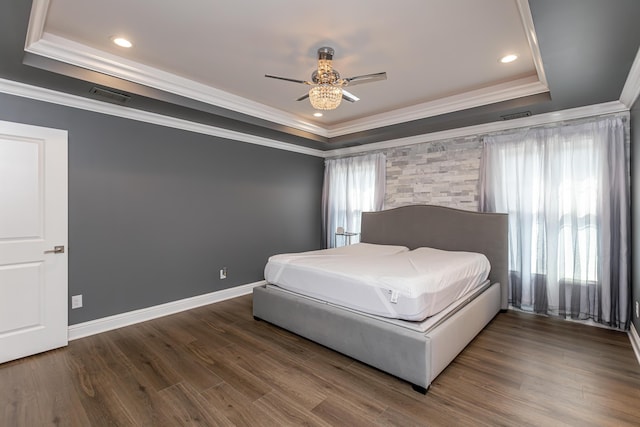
point(417, 357)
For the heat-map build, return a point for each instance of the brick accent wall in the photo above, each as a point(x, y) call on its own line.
point(444, 173)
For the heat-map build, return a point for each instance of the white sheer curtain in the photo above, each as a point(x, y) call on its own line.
point(566, 191)
point(351, 186)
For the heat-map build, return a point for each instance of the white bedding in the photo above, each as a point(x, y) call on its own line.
point(388, 281)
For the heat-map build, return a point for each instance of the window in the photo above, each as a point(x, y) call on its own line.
point(569, 193)
point(351, 186)
point(566, 192)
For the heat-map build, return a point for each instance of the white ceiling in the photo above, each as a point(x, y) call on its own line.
point(439, 55)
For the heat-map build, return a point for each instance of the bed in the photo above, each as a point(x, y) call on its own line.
point(414, 351)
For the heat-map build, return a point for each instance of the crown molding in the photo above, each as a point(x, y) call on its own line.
point(37, 18)
point(483, 129)
point(532, 38)
point(67, 51)
point(489, 95)
point(631, 89)
point(60, 49)
point(41, 94)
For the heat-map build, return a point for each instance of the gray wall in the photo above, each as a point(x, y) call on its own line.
point(155, 212)
point(635, 210)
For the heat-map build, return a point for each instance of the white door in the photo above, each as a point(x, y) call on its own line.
point(33, 220)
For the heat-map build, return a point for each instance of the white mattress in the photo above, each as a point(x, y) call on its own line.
point(357, 249)
point(382, 280)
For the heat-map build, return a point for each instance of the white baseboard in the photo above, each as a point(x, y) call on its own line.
point(104, 324)
point(635, 341)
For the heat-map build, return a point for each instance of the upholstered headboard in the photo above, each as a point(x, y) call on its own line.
point(444, 228)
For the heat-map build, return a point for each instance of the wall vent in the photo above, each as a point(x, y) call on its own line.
point(518, 115)
point(110, 95)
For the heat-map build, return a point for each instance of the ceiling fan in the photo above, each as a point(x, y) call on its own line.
point(328, 87)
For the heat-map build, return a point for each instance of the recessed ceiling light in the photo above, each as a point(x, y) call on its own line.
point(318, 114)
point(122, 42)
point(508, 58)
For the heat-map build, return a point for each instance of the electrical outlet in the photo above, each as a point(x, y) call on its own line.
point(637, 310)
point(76, 301)
point(223, 273)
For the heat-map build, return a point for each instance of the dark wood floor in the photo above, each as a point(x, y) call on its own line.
point(217, 366)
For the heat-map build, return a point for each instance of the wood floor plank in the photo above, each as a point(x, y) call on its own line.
point(503, 408)
point(279, 339)
point(306, 392)
point(52, 371)
point(18, 396)
point(157, 372)
point(393, 418)
point(339, 411)
point(174, 355)
point(202, 330)
point(185, 406)
point(215, 365)
point(237, 407)
point(97, 393)
point(142, 404)
point(242, 380)
point(174, 328)
point(304, 373)
point(385, 390)
point(287, 412)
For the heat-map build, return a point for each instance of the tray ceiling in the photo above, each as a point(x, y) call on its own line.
point(440, 56)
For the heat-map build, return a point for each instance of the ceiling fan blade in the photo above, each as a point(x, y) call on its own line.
point(366, 78)
point(305, 96)
point(304, 82)
point(348, 96)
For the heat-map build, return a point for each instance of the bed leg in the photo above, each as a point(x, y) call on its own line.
point(257, 319)
point(420, 389)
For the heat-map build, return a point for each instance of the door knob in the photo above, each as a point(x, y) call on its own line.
point(55, 250)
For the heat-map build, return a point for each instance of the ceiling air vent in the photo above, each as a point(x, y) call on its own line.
point(110, 95)
point(518, 115)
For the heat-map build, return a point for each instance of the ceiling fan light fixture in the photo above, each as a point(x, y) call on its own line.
point(326, 84)
point(325, 71)
point(325, 97)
